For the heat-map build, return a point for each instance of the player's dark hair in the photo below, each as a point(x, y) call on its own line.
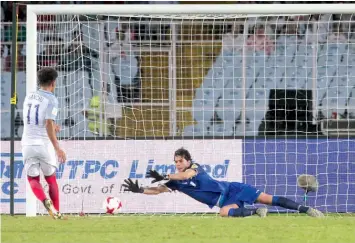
point(46, 76)
point(183, 153)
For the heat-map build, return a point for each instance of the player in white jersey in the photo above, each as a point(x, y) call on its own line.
point(40, 147)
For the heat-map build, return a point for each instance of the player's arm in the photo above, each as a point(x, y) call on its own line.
point(155, 190)
point(51, 127)
point(131, 186)
point(189, 173)
point(51, 130)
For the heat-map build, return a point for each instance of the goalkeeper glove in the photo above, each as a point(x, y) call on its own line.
point(157, 177)
point(130, 186)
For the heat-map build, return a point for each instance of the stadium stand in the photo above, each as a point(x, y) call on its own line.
point(211, 87)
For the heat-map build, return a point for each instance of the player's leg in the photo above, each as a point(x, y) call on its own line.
point(287, 203)
point(30, 157)
point(33, 173)
point(49, 167)
point(49, 173)
point(33, 155)
point(232, 206)
point(234, 210)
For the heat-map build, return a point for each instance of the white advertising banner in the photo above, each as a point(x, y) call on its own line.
point(96, 169)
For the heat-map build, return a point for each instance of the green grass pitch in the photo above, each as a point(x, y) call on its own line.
point(179, 229)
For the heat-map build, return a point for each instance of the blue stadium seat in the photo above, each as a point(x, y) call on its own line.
point(199, 129)
point(254, 119)
point(5, 91)
point(335, 100)
point(257, 98)
point(351, 103)
point(5, 124)
point(224, 129)
point(222, 85)
point(203, 114)
point(21, 89)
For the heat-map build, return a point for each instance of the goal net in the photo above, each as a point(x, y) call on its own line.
point(256, 99)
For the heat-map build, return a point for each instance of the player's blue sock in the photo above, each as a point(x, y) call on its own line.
point(241, 212)
point(289, 204)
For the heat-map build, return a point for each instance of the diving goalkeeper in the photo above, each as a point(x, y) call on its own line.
point(230, 197)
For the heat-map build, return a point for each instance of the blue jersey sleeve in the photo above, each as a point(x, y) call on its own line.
point(173, 185)
point(52, 109)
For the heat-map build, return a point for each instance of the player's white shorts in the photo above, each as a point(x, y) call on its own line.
point(39, 157)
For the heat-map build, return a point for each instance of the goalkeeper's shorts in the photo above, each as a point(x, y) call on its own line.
point(239, 193)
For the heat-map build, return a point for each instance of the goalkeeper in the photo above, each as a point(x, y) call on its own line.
point(230, 197)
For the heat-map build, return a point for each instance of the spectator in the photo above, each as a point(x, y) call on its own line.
point(323, 26)
point(4, 54)
point(124, 65)
point(289, 35)
point(49, 57)
point(7, 7)
point(336, 36)
point(80, 57)
point(94, 116)
point(21, 60)
point(260, 42)
point(2, 14)
point(233, 40)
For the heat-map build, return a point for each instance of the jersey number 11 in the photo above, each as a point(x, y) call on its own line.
point(29, 113)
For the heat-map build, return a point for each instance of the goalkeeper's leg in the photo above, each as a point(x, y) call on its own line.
point(234, 210)
point(287, 203)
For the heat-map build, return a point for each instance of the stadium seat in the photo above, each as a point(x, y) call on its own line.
point(335, 100)
point(5, 124)
point(257, 98)
point(204, 114)
point(199, 129)
point(21, 89)
point(5, 91)
point(223, 129)
point(351, 104)
point(220, 92)
point(254, 119)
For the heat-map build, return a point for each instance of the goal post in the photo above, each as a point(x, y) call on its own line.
point(181, 9)
point(169, 106)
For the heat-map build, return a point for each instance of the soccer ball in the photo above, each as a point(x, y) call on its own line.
point(112, 205)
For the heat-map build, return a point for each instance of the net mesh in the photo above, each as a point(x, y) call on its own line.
point(280, 83)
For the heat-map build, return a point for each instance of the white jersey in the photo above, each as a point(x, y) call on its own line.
point(38, 107)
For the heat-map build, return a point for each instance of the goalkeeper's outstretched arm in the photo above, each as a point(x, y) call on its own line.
point(155, 190)
point(131, 186)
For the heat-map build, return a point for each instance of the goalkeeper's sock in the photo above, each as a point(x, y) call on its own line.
point(241, 212)
point(53, 190)
point(288, 203)
point(36, 187)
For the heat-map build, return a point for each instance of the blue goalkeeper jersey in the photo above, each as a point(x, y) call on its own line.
point(201, 187)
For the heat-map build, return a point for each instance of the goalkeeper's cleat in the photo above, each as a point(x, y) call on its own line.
point(50, 208)
point(262, 212)
point(315, 213)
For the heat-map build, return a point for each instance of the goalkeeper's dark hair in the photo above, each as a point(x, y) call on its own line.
point(183, 153)
point(46, 76)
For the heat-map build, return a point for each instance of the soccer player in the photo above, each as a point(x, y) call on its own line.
point(230, 197)
point(40, 147)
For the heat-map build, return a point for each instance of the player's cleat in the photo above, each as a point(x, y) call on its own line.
point(315, 213)
point(61, 216)
point(50, 208)
point(262, 212)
